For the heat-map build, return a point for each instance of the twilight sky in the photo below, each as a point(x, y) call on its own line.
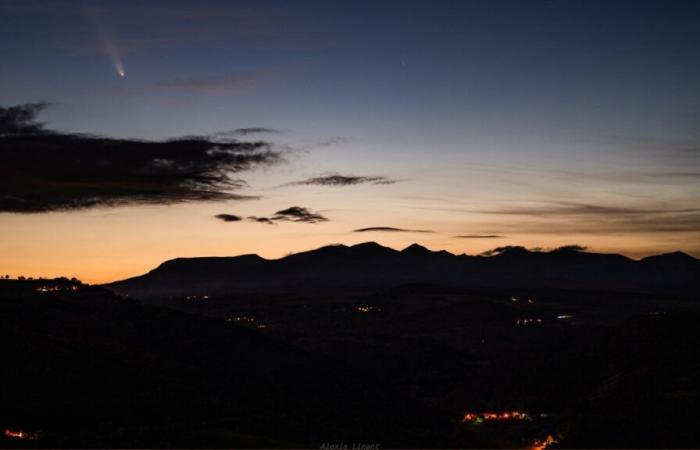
point(460, 125)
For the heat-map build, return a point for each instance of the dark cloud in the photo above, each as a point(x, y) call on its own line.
point(518, 248)
point(503, 249)
point(298, 214)
point(480, 236)
point(343, 180)
point(291, 214)
point(44, 170)
point(571, 248)
point(237, 133)
point(229, 217)
point(265, 220)
point(390, 230)
point(21, 119)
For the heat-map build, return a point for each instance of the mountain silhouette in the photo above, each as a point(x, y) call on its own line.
point(371, 266)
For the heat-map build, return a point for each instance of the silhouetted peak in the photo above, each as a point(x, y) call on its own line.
point(329, 249)
point(207, 261)
point(416, 249)
point(673, 257)
point(680, 255)
point(332, 247)
point(372, 247)
point(172, 263)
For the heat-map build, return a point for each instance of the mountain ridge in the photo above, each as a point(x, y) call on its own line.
point(371, 265)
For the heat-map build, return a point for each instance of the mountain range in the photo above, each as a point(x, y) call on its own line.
point(373, 266)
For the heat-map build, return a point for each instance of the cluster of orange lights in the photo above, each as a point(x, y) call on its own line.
point(544, 443)
point(244, 319)
point(22, 435)
point(495, 416)
point(56, 288)
point(528, 321)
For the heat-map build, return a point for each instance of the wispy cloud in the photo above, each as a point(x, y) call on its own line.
point(291, 214)
point(550, 209)
point(585, 218)
point(479, 236)
point(255, 130)
point(684, 149)
point(265, 220)
point(319, 144)
point(336, 179)
point(389, 230)
point(298, 214)
point(231, 84)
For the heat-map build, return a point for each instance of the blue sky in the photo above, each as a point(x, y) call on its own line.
point(478, 106)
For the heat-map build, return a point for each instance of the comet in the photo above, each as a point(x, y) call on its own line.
point(106, 41)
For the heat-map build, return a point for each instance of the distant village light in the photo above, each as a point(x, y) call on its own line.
point(21, 434)
point(565, 316)
point(476, 418)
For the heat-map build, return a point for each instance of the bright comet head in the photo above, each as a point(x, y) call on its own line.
point(106, 42)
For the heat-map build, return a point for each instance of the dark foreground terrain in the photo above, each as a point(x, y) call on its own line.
point(405, 365)
point(85, 368)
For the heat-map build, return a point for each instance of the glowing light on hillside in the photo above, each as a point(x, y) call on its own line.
point(477, 418)
point(45, 289)
point(21, 434)
point(541, 444)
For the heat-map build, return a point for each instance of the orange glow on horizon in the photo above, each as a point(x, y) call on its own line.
point(104, 245)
